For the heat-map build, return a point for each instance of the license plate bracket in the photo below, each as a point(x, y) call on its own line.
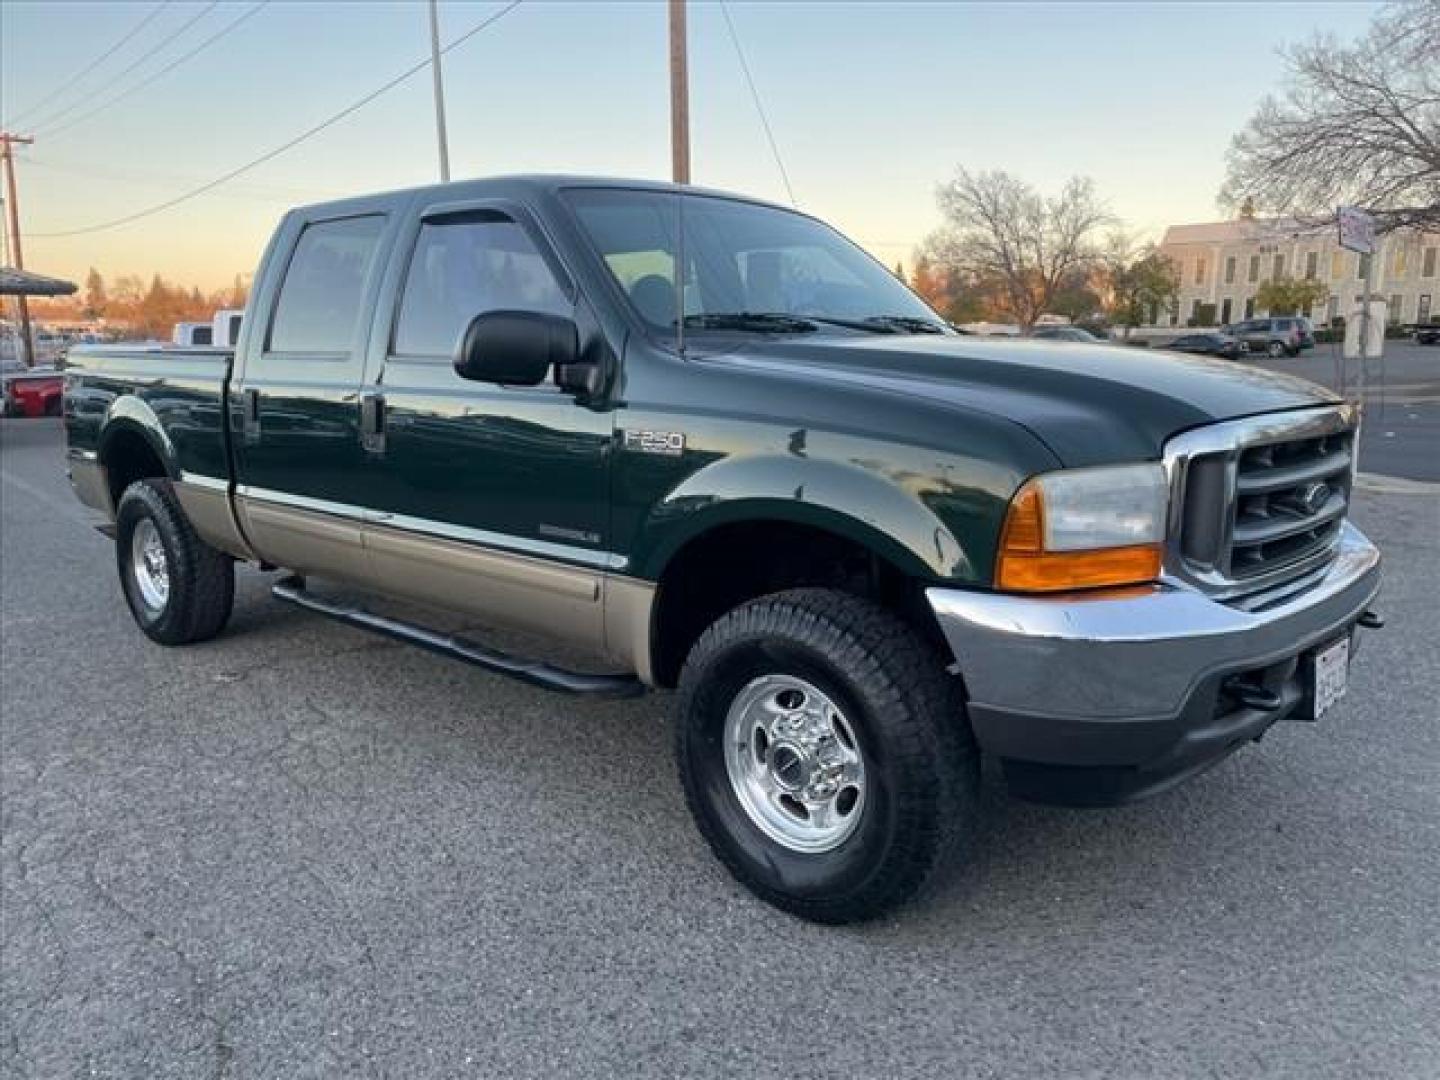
point(1327, 674)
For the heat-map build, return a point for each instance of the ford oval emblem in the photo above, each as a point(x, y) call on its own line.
point(1314, 497)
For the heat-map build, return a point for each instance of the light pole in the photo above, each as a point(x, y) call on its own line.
point(439, 92)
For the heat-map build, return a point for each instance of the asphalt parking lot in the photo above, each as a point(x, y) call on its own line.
point(299, 851)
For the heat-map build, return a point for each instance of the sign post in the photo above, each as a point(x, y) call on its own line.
point(1357, 233)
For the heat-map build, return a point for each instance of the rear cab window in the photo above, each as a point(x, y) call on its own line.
point(320, 299)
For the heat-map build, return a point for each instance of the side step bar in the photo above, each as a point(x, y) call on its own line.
point(292, 590)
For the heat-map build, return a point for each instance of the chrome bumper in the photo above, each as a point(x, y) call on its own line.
point(1099, 661)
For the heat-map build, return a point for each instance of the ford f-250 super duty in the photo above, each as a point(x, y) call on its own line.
point(862, 546)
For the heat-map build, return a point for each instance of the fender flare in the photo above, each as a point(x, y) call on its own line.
point(129, 413)
point(892, 522)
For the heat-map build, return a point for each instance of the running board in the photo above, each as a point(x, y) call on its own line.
point(292, 590)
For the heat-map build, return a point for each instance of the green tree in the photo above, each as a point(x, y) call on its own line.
point(1290, 296)
point(95, 297)
point(1140, 284)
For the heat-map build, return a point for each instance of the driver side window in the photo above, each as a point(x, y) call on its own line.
point(464, 267)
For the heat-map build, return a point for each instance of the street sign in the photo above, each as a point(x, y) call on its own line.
point(1357, 229)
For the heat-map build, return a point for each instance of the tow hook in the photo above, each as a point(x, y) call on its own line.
point(1252, 696)
point(1371, 620)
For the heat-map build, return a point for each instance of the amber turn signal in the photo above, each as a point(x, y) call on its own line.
point(1024, 564)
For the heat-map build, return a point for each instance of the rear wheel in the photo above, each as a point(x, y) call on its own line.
point(180, 589)
point(824, 753)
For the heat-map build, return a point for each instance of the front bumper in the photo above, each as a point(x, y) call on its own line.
point(1101, 698)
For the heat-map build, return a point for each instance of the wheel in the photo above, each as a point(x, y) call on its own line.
point(1276, 349)
point(179, 588)
point(52, 406)
point(824, 753)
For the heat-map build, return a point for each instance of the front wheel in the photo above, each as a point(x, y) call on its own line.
point(179, 588)
point(824, 753)
point(1277, 349)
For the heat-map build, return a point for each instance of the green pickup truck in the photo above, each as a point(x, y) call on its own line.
point(861, 546)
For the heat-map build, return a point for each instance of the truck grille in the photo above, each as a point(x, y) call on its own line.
point(1261, 502)
point(1290, 499)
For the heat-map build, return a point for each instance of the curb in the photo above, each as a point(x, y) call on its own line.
point(1395, 485)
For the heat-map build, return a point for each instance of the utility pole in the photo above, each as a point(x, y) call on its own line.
point(679, 96)
point(439, 93)
point(12, 213)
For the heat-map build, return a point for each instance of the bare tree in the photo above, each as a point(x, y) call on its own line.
point(1355, 125)
point(998, 228)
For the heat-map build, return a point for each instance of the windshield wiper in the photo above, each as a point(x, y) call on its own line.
point(760, 322)
point(914, 324)
point(883, 324)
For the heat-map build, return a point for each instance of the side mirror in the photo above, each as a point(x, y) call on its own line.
point(516, 348)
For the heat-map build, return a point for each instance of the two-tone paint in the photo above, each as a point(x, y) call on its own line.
point(532, 506)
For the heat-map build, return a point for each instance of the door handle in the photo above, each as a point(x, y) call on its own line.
point(372, 422)
point(250, 417)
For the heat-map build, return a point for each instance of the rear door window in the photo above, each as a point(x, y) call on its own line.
point(463, 267)
point(319, 304)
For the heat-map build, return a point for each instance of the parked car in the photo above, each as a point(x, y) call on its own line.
point(1066, 333)
point(1222, 345)
point(1427, 334)
point(861, 547)
point(1285, 336)
point(31, 392)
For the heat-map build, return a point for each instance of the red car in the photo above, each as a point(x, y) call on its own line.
point(33, 393)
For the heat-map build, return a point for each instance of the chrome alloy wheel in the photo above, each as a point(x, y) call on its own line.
point(794, 763)
point(150, 565)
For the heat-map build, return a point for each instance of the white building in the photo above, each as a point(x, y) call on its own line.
point(1224, 263)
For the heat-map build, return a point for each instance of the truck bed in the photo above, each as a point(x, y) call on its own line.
point(173, 397)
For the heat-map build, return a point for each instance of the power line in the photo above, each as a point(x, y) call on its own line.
point(116, 98)
point(70, 83)
point(759, 106)
point(80, 102)
point(297, 140)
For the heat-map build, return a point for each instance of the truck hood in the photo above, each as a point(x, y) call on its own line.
point(1090, 404)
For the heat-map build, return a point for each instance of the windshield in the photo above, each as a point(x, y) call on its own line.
point(748, 268)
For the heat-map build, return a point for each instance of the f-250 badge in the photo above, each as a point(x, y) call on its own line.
point(656, 442)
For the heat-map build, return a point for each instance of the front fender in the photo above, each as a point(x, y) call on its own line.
point(892, 516)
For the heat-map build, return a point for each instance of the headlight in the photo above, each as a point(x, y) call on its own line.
point(1084, 529)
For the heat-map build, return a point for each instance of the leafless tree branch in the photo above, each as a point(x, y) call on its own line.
point(1356, 125)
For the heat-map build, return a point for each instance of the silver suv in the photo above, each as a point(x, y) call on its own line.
point(1280, 336)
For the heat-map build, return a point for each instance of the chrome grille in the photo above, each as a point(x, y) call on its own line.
point(1290, 499)
point(1259, 503)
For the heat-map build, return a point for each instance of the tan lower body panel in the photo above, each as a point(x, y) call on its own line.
point(629, 604)
point(91, 482)
point(304, 540)
point(584, 608)
point(518, 591)
point(208, 509)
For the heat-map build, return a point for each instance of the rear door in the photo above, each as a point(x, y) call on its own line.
point(299, 464)
point(485, 498)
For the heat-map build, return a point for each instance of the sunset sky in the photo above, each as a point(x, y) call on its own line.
point(872, 105)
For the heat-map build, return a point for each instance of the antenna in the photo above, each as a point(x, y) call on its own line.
point(679, 274)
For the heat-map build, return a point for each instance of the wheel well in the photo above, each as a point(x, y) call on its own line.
point(734, 563)
point(127, 457)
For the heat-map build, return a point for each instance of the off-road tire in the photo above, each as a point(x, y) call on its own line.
point(201, 579)
point(908, 717)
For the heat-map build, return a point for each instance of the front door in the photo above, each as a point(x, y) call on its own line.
point(298, 454)
point(488, 499)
